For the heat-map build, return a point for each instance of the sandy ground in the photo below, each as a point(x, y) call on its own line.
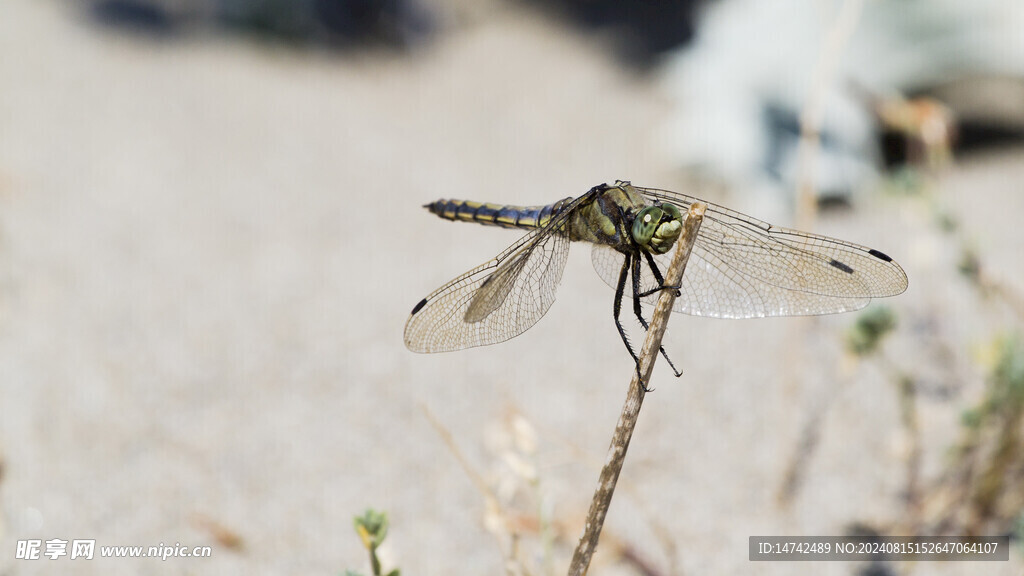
point(208, 250)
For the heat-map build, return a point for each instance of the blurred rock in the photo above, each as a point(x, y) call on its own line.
point(641, 30)
point(401, 23)
point(744, 83)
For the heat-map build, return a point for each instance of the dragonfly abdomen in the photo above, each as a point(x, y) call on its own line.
point(503, 215)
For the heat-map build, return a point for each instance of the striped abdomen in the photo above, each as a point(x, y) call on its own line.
point(496, 214)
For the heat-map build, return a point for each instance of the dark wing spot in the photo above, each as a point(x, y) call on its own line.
point(841, 266)
point(419, 306)
point(879, 255)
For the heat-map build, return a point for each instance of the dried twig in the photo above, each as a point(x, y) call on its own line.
point(814, 111)
point(504, 534)
point(631, 409)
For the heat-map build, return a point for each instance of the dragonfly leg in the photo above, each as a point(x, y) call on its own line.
point(639, 316)
point(658, 277)
point(620, 290)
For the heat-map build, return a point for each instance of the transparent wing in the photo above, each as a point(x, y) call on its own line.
point(497, 300)
point(742, 267)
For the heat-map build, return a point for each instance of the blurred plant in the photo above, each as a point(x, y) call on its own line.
point(372, 528)
point(1000, 414)
point(519, 511)
point(982, 491)
point(973, 268)
point(516, 481)
point(916, 180)
point(870, 328)
point(906, 181)
point(863, 340)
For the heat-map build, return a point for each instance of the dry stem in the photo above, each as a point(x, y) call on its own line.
point(813, 114)
point(631, 409)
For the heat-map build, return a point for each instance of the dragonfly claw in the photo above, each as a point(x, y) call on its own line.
point(660, 288)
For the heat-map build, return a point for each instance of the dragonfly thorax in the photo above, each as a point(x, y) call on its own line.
point(656, 228)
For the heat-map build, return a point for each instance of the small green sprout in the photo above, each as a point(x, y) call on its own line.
point(372, 528)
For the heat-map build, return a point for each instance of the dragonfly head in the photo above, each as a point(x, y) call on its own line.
point(656, 228)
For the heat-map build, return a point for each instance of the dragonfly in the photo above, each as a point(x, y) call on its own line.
point(740, 267)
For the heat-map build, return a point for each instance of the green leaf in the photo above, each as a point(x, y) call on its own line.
point(372, 527)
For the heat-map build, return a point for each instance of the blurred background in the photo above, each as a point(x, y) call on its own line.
point(211, 236)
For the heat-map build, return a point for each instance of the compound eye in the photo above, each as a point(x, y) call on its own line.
point(672, 211)
point(646, 223)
